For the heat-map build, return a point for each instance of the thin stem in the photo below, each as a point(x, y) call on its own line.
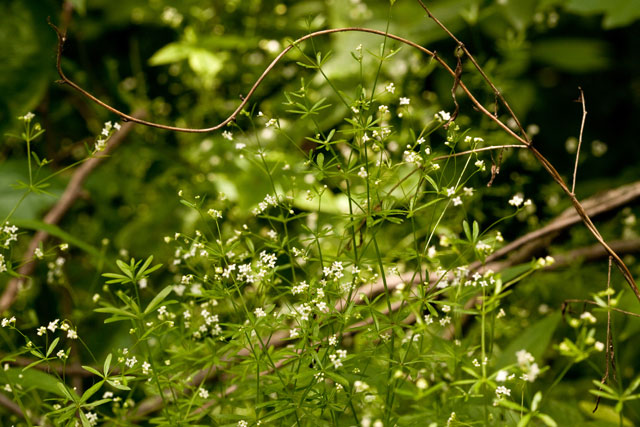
point(584, 118)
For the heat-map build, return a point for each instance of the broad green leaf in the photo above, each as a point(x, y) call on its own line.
point(34, 378)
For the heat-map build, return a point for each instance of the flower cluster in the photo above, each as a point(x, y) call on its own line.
point(108, 130)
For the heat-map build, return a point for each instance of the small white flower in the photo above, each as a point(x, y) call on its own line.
point(391, 88)
point(404, 101)
point(6, 322)
point(27, 117)
point(203, 393)
point(502, 391)
point(383, 109)
point(145, 367)
point(227, 135)
point(72, 334)
point(363, 173)
point(599, 346)
point(468, 191)
point(457, 201)
point(259, 312)
point(442, 116)
point(131, 362)
point(516, 200)
point(501, 376)
point(53, 325)
point(62, 355)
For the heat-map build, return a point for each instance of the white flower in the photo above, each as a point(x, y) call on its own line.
point(41, 331)
point(468, 191)
point(271, 122)
point(420, 141)
point(457, 201)
point(131, 362)
point(92, 418)
point(502, 391)
point(588, 317)
point(421, 383)
point(404, 101)
point(6, 322)
point(227, 135)
point(524, 357)
point(53, 325)
point(243, 423)
point(442, 116)
point(599, 346)
point(363, 173)
point(391, 88)
point(145, 367)
point(240, 145)
point(62, 355)
point(259, 312)
point(203, 393)
point(383, 109)
point(451, 191)
point(501, 376)
point(294, 333)
point(72, 334)
point(516, 200)
point(27, 117)
point(480, 165)
point(214, 213)
point(533, 373)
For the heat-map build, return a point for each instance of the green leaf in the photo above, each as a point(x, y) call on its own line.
point(52, 346)
point(157, 300)
point(92, 370)
point(536, 401)
point(107, 364)
point(524, 421)
point(171, 53)
point(617, 13)
point(34, 378)
point(547, 420)
point(55, 231)
point(91, 391)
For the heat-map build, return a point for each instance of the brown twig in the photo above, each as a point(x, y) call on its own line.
point(71, 193)
point(11, 405)
point(584, 118)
